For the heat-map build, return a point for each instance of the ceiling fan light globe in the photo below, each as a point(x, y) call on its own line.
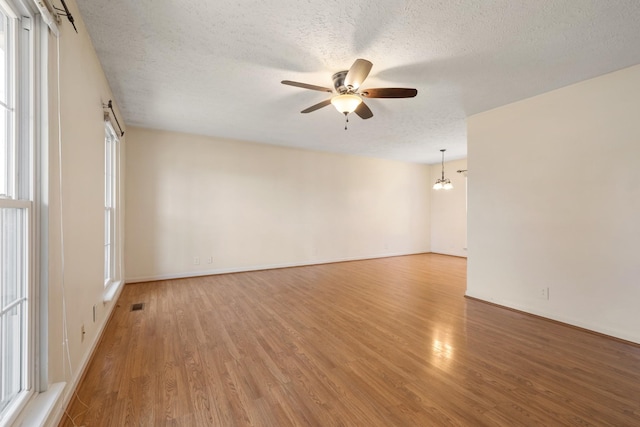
point(346, 103)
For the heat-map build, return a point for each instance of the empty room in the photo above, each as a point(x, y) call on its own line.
point(387, 213)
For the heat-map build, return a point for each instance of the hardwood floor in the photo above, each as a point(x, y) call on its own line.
point(386, 342)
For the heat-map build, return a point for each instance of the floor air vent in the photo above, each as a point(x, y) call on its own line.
point(137, 306)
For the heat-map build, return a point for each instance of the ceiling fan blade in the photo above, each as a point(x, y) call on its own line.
point(363, 111)
point(357, 73)
point(317, 106)
point(389, 92)
point(306, 86)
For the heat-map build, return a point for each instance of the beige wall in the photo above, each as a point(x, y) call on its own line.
point(449, 211)
point(251, 206)
point(554, 201)
point(76, 214)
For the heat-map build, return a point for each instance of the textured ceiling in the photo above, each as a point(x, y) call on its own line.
point(214, 67)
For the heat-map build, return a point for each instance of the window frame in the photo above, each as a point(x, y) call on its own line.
point(112, 267)
point(22, 149)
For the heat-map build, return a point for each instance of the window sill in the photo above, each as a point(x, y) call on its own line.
point(41, 407)
point(111, 290)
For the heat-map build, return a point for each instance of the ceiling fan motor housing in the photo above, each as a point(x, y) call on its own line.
point(338, 82)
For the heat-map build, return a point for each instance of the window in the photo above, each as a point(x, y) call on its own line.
point(17, 240)
point(111, 208)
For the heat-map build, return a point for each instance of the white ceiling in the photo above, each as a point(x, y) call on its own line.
point(214, 67)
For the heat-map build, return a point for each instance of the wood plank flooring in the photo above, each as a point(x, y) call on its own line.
point(386, 342)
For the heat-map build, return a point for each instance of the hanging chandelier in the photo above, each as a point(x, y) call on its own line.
point(442, 183)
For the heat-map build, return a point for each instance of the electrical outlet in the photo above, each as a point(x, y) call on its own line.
point(544, 293)
point(210, 260)
point(196, 260)
point(82, 333)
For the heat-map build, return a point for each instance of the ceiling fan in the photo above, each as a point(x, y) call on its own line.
point(348, 98)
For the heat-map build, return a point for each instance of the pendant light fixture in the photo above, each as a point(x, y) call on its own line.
point(442, 182)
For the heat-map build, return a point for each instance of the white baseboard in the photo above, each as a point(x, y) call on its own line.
point(558, 318)
point(197, 273)
point(457, 254)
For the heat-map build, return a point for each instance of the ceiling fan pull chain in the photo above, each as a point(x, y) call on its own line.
point(346, 120)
